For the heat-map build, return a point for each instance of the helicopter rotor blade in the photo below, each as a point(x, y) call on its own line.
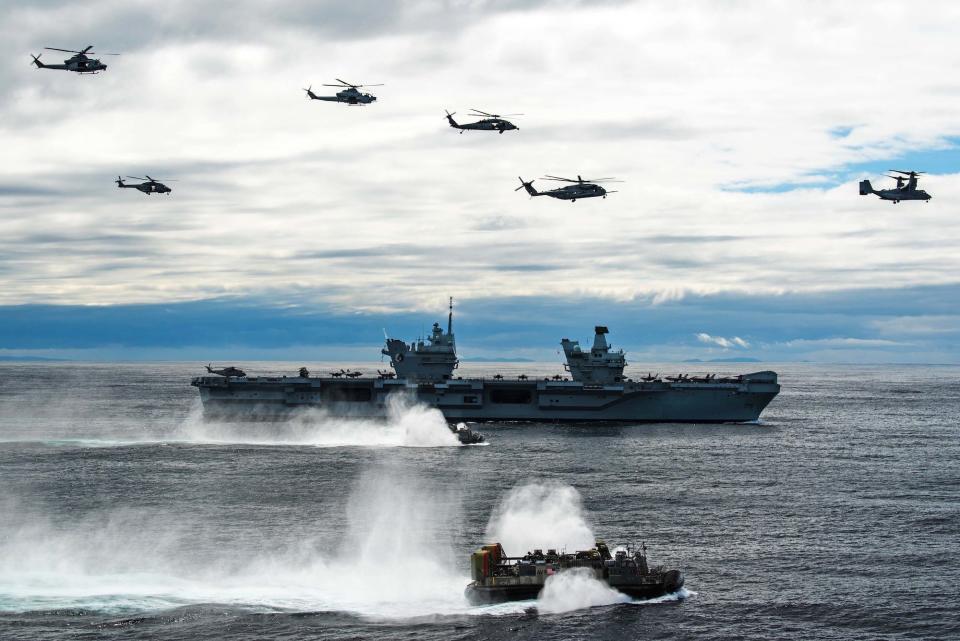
point(64, 50)
point(345, 83)
point(566, 180)
point(136, 178)
point(908, 173)
point(483, 113)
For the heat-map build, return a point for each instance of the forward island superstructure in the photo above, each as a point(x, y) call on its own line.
point(423, 372)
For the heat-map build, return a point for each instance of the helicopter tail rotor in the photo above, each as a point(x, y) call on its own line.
point(310, 94)
point(528, 186)
point(453, 123)
point(36, 61)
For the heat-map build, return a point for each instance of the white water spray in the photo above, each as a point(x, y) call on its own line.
point(540, 515)
point(576, 589)
point(408, 424)
point(393, 559)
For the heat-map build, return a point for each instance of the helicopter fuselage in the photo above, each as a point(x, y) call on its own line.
point(78, 64)
point(574, 192)
point(487, 124)
point(147, 187)
point(348, 96)
point(895, 195)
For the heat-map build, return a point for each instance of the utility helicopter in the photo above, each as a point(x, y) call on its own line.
point(151, 186)
point(901, 191)
point(350, 94)
point(79, 62)
point(580, 188)
point(487, 122)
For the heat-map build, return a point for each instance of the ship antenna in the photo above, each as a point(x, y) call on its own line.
point(450, 318)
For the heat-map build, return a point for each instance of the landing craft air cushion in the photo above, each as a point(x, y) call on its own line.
point(595, 391)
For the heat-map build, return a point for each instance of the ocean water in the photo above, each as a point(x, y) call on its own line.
point(124, 516)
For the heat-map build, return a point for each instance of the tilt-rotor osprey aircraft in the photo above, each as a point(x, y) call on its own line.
point(351, 94)
point(151, 186)
point(580, 188)
point(487, 122)
point(79, 62)
point(901, 191)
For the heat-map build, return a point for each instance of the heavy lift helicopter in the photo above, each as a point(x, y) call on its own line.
point(580, 188)
point(901, 191)
point(487, 122)
point(79, 62)
point(151, 186)
point(351, 94)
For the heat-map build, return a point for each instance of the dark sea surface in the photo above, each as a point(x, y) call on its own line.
point(124, 516)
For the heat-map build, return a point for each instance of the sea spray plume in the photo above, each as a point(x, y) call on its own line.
point(391, 558)
point(575, 589)
point(540, 515)
point(408, 424)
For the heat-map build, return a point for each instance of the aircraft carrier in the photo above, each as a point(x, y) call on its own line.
point(593, 389)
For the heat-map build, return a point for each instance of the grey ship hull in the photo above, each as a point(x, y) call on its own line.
point(276, 398)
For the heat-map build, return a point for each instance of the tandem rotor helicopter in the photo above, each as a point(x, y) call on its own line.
point(487, 122)
point(150, 186)
point(79, 62)
point(901, 191)
point(580, 188)
point(350, 94)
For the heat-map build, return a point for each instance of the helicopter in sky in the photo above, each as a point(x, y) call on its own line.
point(579, 188)
point(901, 191)
point(79, 62)
point(350, 94)
point(150, 186)
point(487, 122)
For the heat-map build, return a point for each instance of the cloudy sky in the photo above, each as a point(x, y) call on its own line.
point(740, 129)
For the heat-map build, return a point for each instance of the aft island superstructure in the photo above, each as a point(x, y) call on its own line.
point(423, 372)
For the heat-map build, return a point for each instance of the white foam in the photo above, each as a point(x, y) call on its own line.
point(576, 589)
